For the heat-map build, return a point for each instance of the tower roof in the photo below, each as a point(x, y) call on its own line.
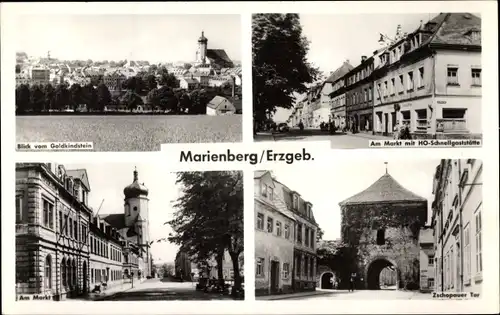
point(135, 189)
point(385, 189)
point(202, 38)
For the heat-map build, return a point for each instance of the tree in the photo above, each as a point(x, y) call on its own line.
point(339, 257)
point(76, 95)
point(167, 269)
point(50, 96)
point(168, 80)
point(37, 98)
point(131, 100)
point(209, 216)
point(150, 82)
point(23, 98)
point(62, 96)
point(184, 103)
point(18, 68)
point(90, 97)
point(187, 66)
point(103, 96)
point(153, 98)
point(279, 63)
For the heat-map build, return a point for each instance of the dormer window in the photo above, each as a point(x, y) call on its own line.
point(295, 201)
point(263, 189)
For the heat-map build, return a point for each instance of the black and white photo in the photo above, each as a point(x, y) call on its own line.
point(120, 232)
point(128, 82)
point(403, 232)
point(375, 77)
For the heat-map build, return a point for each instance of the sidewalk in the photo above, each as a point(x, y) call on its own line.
point(369, 136)
point(293, 295)
point(115, 289)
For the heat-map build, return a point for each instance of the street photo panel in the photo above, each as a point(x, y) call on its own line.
point(392, 80)
point(405, 230)
point(127, 232)
point(93, 86)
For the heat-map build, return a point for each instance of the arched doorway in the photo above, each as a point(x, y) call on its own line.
point(84, 271)
point(381, 268)
point(327, 280)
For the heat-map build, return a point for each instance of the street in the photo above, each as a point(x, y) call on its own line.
point(156, 289)
point(363, 295)
point(338, 140)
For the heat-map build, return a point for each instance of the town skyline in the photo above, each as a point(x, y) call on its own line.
point(414, 175)
point(107, 182)
point(38, 34)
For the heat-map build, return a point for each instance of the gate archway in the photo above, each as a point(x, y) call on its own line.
point(327, 280)
point(374, 270)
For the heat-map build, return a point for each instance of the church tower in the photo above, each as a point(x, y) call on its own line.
point(201, 54)
point(137, 216)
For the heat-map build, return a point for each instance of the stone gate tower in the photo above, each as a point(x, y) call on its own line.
point(381, 226)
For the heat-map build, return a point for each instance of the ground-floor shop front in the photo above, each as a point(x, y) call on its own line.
point(360, 120)
point(432, 117)
point(304, 278)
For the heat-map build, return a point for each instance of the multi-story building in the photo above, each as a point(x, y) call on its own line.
point(52, 227)
point(274, 238)
point(427, 272)
point(63, 249)
point(457, 225)
point(337, 93)
point(430, 79)
point(359, 96)
point(40, 75)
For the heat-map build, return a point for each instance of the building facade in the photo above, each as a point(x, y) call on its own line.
point(381, 225)
point(274, 238)
point(430, 80)
point(63, 249)
point(427, 272)
point(457, 225)
point(359, 100)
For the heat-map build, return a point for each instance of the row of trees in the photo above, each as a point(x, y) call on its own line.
point(209, 219)
point(137, 91)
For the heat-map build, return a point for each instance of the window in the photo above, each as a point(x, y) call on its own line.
point(406, 114)
point(421, 120)
point(430, 283)
point(431, 260)
point(263, 189)
point(379, 90)
point(313, 240)
point(270, 226)
point(259, 268)
point(63, 272)
point(75, 230)
point(70, 223)
point(479, 254)
point(410, 81)
point(286, 270)
point(278, 228)
point(306, 265)
point(66, 224)
point(295, 201)
point(401, 84)
point(476, 76)
point(311, 267)
point(48, 214)
point(299, 233)
point(381, 237)
point(48, 273)
point(386, 89)
point(467, 253)
point(260, 221)
point(84, 234)
point(369, 93)
point(19, 209)
point(306, 232)
point(421, 77)
point(452, 75)
point(287, 231)
point(270, 192)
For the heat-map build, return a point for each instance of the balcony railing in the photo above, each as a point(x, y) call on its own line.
point(451, 124)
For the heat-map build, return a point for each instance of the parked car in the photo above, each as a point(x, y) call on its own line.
point(283, 127)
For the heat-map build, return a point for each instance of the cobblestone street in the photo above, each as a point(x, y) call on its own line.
point(157, 290)
point(338, 140)
point(362, 295)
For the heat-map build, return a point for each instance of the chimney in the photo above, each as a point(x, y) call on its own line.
point(363, 58)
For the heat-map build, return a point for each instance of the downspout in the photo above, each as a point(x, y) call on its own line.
point(433, 98)
point(461, 228)
point(442, 245)
point(56, 264)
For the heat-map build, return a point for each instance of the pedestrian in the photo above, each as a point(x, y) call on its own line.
point(352, 281)
point(396, 130)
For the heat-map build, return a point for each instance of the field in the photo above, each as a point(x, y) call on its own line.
point(129, 133)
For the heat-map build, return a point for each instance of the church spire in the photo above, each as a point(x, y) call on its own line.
point(136, 174)
point(386, 167)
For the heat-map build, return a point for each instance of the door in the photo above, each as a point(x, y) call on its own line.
point(386, 124)
point(84, 271)
point(275, 268)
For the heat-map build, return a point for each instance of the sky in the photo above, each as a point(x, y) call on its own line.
point(337, 38)
point(155, 38)
point(326, 188)
point(107, 182)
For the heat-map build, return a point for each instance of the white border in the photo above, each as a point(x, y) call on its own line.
point(488, 153)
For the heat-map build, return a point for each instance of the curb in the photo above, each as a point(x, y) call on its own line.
point(296, 296)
